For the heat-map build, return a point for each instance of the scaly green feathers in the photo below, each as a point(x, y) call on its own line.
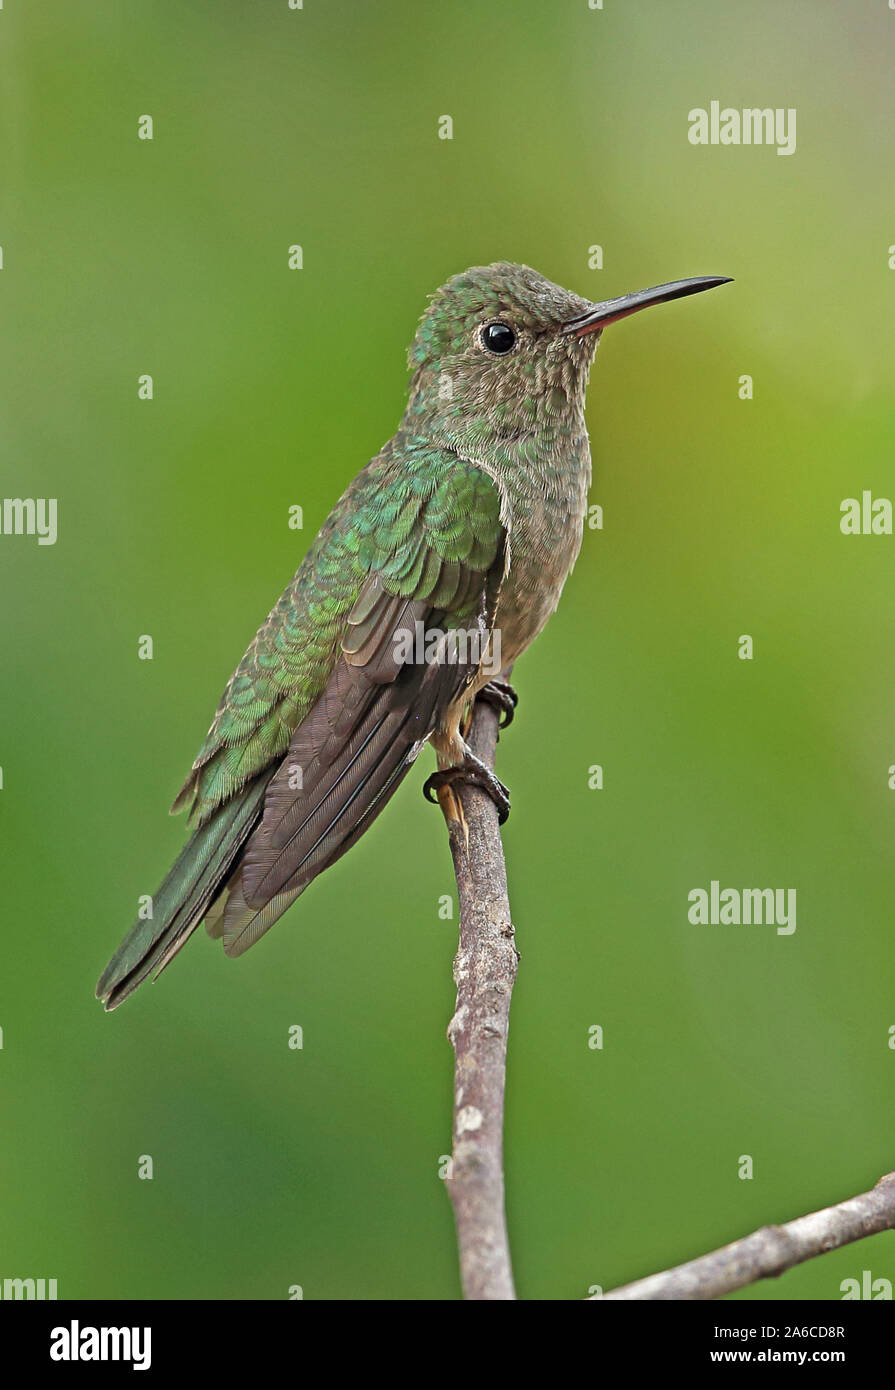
point(418, 517)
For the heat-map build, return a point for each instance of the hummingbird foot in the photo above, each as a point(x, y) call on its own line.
point(503, 697)
point(471, 771)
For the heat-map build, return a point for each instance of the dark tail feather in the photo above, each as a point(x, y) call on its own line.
point(304, 832)
point(239, 926)
point(185, 896)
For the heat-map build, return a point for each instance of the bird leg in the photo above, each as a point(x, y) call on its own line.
point(503, 697)
point(473, 772)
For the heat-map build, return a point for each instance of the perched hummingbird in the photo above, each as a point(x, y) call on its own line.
point(469, 520)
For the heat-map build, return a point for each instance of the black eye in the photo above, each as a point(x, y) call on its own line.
point(498, 337)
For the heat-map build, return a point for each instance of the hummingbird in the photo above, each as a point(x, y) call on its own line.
point(466, 523)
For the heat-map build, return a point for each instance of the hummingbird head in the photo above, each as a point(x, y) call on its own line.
point(501, 354)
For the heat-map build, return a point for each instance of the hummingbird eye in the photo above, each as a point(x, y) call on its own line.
point(498, 338)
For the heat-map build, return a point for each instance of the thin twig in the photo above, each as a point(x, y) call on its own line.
point(772, 1250)
point(484, 972)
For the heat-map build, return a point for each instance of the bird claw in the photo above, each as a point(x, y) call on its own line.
point(502, 697)
point(473, 772)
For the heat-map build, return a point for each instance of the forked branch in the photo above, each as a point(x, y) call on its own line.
point(485, 972)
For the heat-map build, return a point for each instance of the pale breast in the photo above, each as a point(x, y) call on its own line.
point(544, 511)
point(545, 537)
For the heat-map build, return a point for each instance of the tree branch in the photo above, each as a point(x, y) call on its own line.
point(772, 1250)
point(484, 972)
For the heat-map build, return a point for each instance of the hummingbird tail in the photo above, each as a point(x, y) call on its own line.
point(185, 896)
point(305, 830)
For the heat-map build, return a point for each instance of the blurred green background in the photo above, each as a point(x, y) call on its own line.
point(272, 387)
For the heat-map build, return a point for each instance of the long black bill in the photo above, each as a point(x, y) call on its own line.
point(611, 310)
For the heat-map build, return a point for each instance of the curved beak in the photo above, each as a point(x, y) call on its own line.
point(611, 310)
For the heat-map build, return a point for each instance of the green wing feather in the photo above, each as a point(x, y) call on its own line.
point(426, 521)
point(425, 525)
